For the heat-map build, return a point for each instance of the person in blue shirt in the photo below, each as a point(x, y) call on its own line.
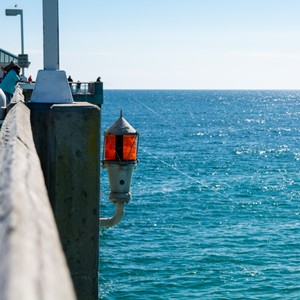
point(9, 82)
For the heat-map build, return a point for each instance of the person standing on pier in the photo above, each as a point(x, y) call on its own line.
point(9, 82)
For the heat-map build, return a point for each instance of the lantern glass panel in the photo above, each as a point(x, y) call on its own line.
point(129, 147)
point(110, 147)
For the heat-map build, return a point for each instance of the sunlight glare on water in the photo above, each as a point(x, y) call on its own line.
point(215, 208)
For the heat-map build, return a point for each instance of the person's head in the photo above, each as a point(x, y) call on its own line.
point(17, 69)
point(11, 66)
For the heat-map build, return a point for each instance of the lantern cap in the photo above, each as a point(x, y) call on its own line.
point(120, 127)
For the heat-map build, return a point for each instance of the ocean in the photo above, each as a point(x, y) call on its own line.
point(215, 209)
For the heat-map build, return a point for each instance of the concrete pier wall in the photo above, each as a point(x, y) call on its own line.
point(33, 265)
point(49, 201)
point(67, 139)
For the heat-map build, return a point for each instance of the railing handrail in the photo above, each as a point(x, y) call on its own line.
point(79, 87)
point(32, 265)
point(89, 91)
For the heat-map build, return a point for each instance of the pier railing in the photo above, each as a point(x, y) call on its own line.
point(83, 88)
point(91, 92)
point(49, 201)
point(33, 265)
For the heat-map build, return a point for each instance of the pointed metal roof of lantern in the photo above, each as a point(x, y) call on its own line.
point(120, 127)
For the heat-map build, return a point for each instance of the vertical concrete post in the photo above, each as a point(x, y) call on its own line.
point(67, 137)
point(51, 83)
point(51, 38)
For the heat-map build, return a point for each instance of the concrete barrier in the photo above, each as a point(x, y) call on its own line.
point(32, 263)
point(67, 139)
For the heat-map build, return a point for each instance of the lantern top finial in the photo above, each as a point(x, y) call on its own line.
point(120, 127)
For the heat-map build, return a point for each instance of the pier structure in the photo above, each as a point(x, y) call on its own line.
point(50, 186)
point(5, 58)
point(67, 140)
point(33, 264)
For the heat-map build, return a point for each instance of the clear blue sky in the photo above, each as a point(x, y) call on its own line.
point(167, 44)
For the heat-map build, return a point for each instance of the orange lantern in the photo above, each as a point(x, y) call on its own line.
point(120, 142)
point(120, 158)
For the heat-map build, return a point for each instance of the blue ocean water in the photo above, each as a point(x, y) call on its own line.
point(215, 212)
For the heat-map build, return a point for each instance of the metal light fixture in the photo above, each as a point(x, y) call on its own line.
point(16, 12)
point(120, 159)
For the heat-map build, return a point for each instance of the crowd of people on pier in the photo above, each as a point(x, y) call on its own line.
point(11, 75)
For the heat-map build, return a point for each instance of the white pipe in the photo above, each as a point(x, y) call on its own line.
point(117, 217)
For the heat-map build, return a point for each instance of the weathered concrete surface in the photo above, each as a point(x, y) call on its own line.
point(32, 263)
point(40, 124)
point(67, 137)
point(75, 184)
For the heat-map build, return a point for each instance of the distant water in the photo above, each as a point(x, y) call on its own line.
point(215, 212)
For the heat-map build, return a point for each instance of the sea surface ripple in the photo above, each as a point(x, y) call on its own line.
point(215, 208)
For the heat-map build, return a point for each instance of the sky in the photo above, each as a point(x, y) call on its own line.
point(166, 44)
